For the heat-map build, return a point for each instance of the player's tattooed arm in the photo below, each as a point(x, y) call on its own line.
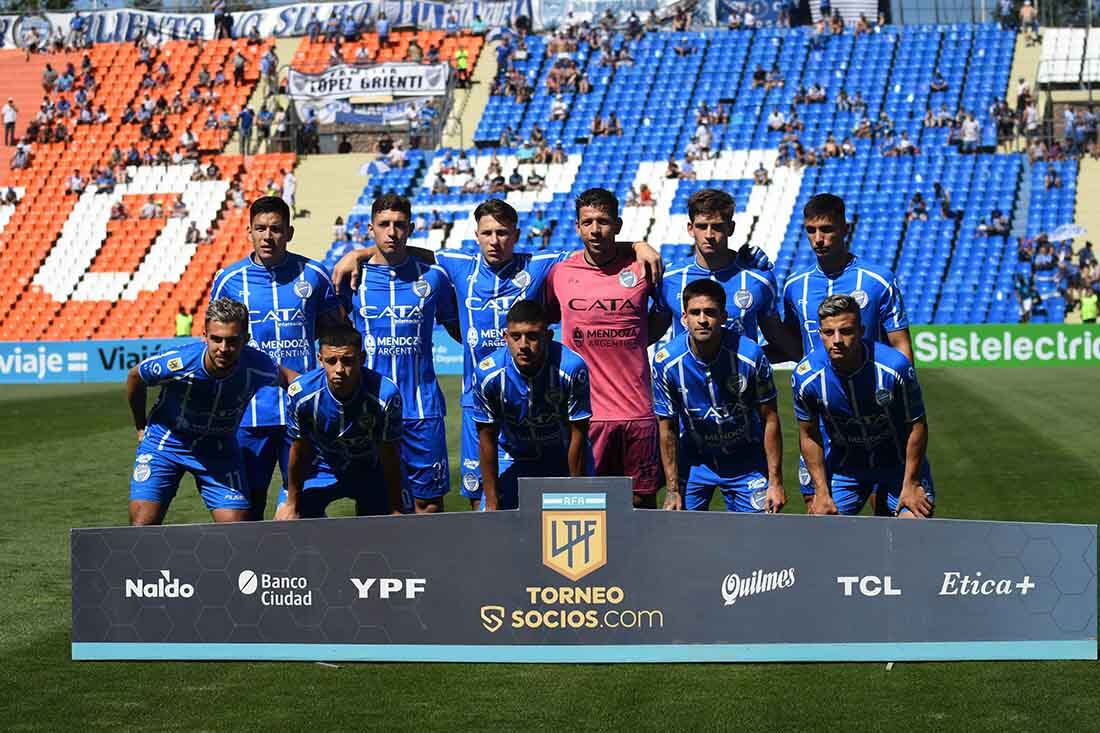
point(301, 457)
point(487, 436)
point(902, 341)
point(136, 393)
point(669, 430)
point(813, 452)
point(913, 496)
point(578, 441)
point(389, 454)
point(773, 451)
point(347, 269)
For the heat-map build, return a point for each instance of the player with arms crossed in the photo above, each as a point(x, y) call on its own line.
point(716, 404)
point(750, 287)
point(874, 288)
point(486, 285)
point(531, 405)
point(609, 317)
point(205, 387)
point(290, 299)
point(866, 396)
point(396, 305)
point(345, 423)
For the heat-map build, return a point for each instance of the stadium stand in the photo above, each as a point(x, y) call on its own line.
point(951, 270)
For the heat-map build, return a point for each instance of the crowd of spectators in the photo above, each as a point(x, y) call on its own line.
point(1050, 275)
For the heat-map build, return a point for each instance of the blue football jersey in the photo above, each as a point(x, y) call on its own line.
point(484, 297)
point(750, 295)
point(873, 287)
point(283, 305)
point(717, 403)
point(532, 412)
point(345, 434)
point(396, 308)
point(867, 415)
point(194, 405)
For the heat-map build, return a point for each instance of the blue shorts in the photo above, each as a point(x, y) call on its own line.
point(424, 458)
point(215, 464)
point(746, 492)
point(471, 458)
point(512, 471)
point(261, 448)
point(369, 501)
point(851, 489)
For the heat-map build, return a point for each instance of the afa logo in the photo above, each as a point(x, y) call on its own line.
point(574, 533)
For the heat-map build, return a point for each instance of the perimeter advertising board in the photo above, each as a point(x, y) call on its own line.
point(577, 575)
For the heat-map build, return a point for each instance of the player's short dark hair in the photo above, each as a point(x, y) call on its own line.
point(500, 210)
point(391, 202)
point(339, 337)
point(527, 311)
point(836, 305)
point(599, 198)
point(227, 310)
point(710, 201)
point(269, 205)
point(824, 206)
point(707, 289)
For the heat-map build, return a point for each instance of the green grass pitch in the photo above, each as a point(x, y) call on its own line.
point(1011, 444)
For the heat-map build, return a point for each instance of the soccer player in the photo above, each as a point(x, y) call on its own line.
point(531, 405)
point(865, 396)
point(716, 406)
point(345, 423)
point(609, 316)
point(751, 290)
point(205, 387)
point(396, 305)
point(874, 288)
point(290, 299)
point(486, 285)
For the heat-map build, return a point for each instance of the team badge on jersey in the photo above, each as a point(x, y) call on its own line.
point(254, 343)
point(293, 389)
point(553, 397)
point(628, 279)
point(522, 279)
point(883, 397)
point(422, 288)
point(737, 383)
point(366, 422)
point(471, 336)
point(860, 297)
point(486, 363)
point(469, 481)
point(743, 299)
point(369, 345)
point(174, 365)
point(303, 289)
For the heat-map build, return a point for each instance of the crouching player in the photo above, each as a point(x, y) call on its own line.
point(205, 388)
point(345, 421)
point(716, 405)
point(531, 406)
point(866, 396)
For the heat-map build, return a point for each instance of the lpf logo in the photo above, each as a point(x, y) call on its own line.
point(574, 533)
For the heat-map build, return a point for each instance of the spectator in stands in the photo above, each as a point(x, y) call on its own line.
point(163, 156)
point(687, 171)
point(350, 28)
point(239, 64)
point(673, 169)
point(332, 28)
point(970, 134)
point(415, 53)
point(225, 120)
point(1086, 257)
point(313, 27)
point(558, 108)
point(905, 146)
point(515, 181)
point(999, 224)
point(397, 157)
point(857, 103)
point(645, 196)
point(1052, 179)
point(105, 181)
point(10, 114)
point(151, 209)
point(119, 212)
point(60, 132)
point(598, 126)
point(774, 79)
point(439, 186)
point(615, 128)
point(163, 132)
point(938, 84)
point(76, 183)
point(245, 119)
point(918, 208)
point(831, 148)
point(339, 231)
point(863, 26)
point(462, 67)
point(558, 154)
point(816, 94)
point(193, 236)
point(1029, 22)
point(760, 176)
point(684, 47)
point(777, 120)
point(49, 78)
point(179, 208)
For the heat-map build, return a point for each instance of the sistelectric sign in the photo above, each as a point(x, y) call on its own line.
point(58, 362)
point(1008, 345)
point(577, 575)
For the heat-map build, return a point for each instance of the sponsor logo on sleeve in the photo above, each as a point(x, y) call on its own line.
point(174, 365)
point(294, 389)
point(486, 363)
point(803, 368)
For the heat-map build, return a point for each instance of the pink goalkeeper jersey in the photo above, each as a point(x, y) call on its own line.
point(604, 314)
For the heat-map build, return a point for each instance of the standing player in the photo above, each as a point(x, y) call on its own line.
point(396, 305)
point(289, 300)
point(716, 403)
point(345, 423)
point(531, 405)
point(605, 307)
point(751, 292)
point(839, 271)
point(205, 386)
point(866, 396)
point(486, 285)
